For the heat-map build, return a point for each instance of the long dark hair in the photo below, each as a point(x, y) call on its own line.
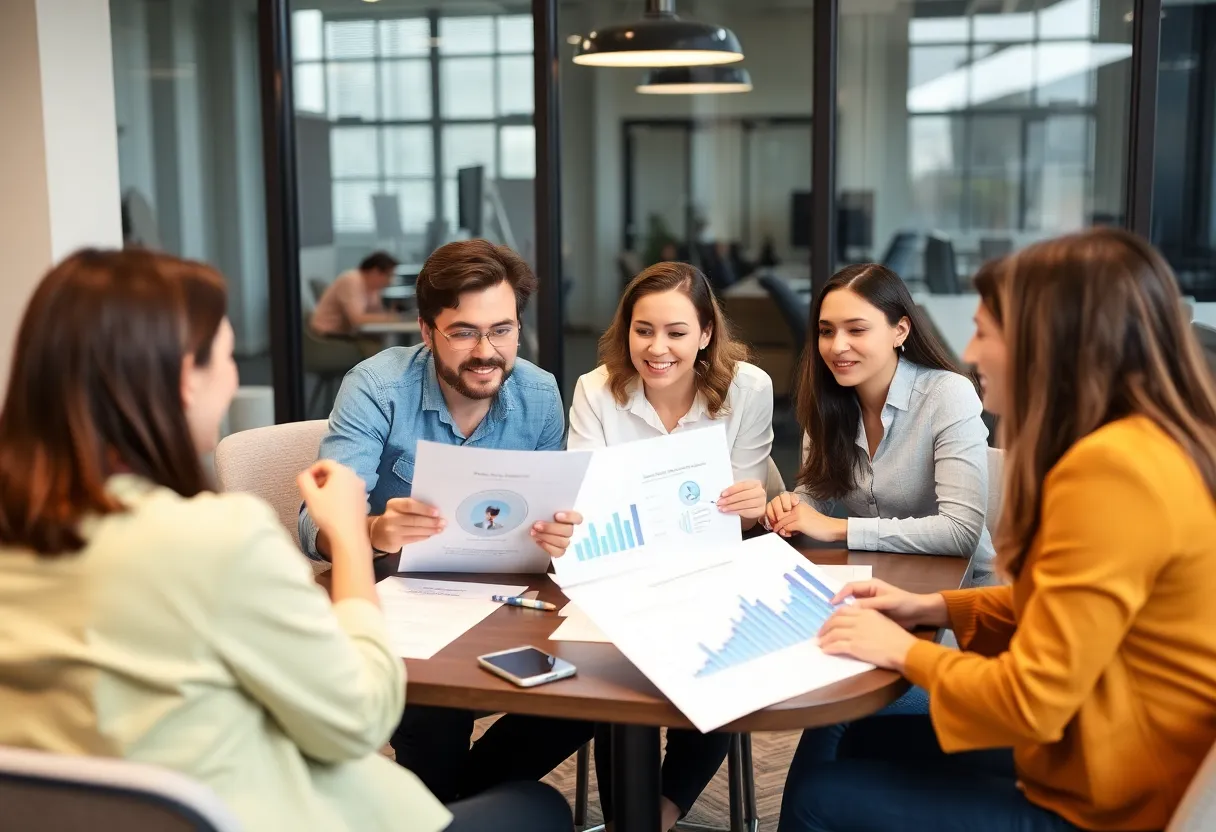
point(829, 412)
point(1095, 332)
point(716, 363)
point(95, 388)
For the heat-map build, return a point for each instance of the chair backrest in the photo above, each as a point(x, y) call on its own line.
point(266, 462)
point(1197, 811)
point(60, 793)
point(900, 253)
point(941, 272)
point(996, 488)
point(318, 287)
point(793, 309)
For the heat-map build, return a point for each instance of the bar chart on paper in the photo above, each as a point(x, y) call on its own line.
point(739, 627)
point(758, 629)
point(620, 532)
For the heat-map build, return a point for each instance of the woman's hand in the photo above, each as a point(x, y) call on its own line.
point(787, 515)
point(744, 499)
point(907, 609)
point(554, 537)
point(866, 635)
point(337, 500)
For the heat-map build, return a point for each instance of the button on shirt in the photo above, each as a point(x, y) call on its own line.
point(926, 489)
point(598, 420)
point(390, 401)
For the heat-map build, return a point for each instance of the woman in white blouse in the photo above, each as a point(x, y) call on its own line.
point(894, 447)
point(670, 364)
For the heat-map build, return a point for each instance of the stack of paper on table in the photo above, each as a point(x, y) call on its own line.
point(425, 616)
point(576, 626)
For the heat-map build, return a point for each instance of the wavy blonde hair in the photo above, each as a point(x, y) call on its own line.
point(715, 367)
point(1096, 331)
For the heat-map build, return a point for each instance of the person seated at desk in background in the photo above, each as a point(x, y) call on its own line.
point(353, 299)
point(464, 385)
point(893, 434)
point(671, 364)
point(1084, 694)
point(146, 618)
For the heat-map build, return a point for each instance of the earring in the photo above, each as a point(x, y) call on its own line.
point(902, 348)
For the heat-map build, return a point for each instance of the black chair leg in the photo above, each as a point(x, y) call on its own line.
point(582, 784)
point(751, 816)
point(736, 776)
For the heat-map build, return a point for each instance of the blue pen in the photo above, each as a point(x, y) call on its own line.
point(515, 601)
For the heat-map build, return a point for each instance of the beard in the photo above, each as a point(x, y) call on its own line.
point(455, 376)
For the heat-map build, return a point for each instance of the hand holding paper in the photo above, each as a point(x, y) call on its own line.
point(554, 537)
point(405, 521)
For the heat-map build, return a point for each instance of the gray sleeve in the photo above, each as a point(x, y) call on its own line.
point(960, 474)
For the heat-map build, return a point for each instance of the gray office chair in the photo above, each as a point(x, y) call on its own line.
point(941, 269)
point(900, 253)
point(328, 360)
point(1197, 811)
point(795, 311)
point(61, 793)
point(318, 287)
point(266, 461)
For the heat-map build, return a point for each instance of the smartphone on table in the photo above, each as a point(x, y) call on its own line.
point(526, 666)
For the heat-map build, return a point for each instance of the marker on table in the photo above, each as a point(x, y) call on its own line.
point(515, 601)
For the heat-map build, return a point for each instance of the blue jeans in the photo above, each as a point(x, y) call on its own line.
point(819, 745)
point(891, 775)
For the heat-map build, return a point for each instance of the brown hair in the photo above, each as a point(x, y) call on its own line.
point(95, 389)
point(829, 412)
point(470, 266)
point(1096, 331)
point(987, 282)
point(715, 367)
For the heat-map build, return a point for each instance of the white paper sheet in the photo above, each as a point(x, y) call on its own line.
point(738, 630)
point(490, 499)
point(425, 616)
point(844, 573)
point(648, 499)
point(577, 626)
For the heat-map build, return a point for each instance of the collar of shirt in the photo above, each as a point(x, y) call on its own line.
point(899, 396)
point(432, 397)
point(640, 406)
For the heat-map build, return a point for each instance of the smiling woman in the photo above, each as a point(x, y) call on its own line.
point(670, 364)
point(895, 452)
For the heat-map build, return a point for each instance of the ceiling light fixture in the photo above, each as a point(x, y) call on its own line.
point(695, 80)
point(659, 39)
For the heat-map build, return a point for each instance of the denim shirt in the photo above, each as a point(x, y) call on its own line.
point(390, 401)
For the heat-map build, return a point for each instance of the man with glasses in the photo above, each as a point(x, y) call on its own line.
point(464, 385)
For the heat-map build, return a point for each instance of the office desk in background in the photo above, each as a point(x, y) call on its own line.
point(400, 333)
point(609, 689)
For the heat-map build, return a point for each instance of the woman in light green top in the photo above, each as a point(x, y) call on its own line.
point(147, 618)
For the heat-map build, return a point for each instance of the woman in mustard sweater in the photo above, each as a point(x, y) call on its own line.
point(1084, 696)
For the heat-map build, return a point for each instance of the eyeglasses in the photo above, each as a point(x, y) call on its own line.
point(466, 340)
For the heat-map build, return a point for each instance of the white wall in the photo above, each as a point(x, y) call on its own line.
point(58, 146)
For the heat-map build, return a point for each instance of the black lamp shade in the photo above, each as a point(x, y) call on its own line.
point(693, 80)
point(659, 40)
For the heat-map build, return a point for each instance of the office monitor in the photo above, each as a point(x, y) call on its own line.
point(470, 196)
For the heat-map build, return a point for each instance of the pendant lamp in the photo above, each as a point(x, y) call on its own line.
point(659, 39)
point(695, 80)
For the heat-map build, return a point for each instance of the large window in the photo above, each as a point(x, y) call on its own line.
point(410, 100)
point(1002, 116)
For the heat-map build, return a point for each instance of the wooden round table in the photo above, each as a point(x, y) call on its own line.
point(609, 689)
